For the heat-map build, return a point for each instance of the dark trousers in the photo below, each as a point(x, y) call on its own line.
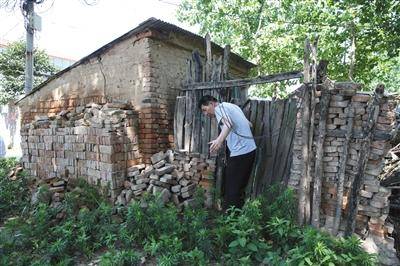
point(237, 175)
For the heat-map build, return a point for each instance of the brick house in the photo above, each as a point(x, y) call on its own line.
point(145, 67)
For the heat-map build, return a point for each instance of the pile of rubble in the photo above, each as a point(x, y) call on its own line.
point(390, 178)
point(175, 175)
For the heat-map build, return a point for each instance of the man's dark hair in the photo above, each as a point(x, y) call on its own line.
point(206, 99)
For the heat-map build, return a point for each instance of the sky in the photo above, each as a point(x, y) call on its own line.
point(73, 29)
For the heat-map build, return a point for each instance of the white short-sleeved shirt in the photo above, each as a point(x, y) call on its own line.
point(237, 144)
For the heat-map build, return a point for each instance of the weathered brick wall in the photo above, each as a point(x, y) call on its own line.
point(146, 70)
point(119, 73)
point(164, 77)
point(95, 142)
point(373, 206)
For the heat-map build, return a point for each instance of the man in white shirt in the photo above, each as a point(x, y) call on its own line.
point(236, 131)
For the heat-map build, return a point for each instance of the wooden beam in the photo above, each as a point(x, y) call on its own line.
point(304, 186)
point(244, 82)
point(342, 170)
point(319, 170)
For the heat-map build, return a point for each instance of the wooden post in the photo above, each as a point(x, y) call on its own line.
point(342, 170)
point(324, 103)
point(221, 157)
point(208, 65)
point(225, 68)
point(304, 181)
point(372, 111)
point(306, 67)
point(189, 108)
point(179, 122)
point(195, 143)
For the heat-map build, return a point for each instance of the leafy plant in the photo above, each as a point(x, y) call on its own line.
point(120, 258)
point(14, 194)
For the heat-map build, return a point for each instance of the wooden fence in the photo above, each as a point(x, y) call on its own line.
point(273, 121)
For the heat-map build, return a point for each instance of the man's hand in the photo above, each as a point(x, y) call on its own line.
point(215, 145)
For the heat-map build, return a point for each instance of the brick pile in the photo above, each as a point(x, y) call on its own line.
point(373, 206)
point(96, 142)
point(174, 175)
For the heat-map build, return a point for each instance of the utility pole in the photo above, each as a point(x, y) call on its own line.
point(28, 7)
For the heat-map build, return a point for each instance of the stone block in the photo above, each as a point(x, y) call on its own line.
point(157, 157)
point(138, 187)
point(366, 194)
point(160, 184)
point(188, 187)
point(159, 164)
point(165, 170)
point(361, 98)
point(142, 181)
point(341, 104)
point(176, 189)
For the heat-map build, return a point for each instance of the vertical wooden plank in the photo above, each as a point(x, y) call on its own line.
point(289, 158)
point(196, 130)
point(266, 149)
point(208, 131)
point(225, 68)
point(285, 141)
point(341, 172)
point(258, 126)
point(208, 65)
point(179, 122)
point(325, 98)
point(221, 157)
point(253, 115)
point(188, 109)
point(246, 109)
point(306, 71)
point(304, 182)
point(276, 115)
point(259, 167)
point(258, 139)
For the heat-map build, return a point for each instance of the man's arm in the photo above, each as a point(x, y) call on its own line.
point(217, 143)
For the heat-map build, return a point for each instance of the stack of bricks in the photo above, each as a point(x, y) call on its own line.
point(373, 207)
point(53, 107)
point(153, 130)
point(95, 142)
point(155, 120)
point(175, 175)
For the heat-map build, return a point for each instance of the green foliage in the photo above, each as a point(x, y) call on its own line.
point(13, 194)
point(272, 34)
point(12, 70)
point(240, 233)
point(120, 258)
point(272, 200)
point(258, 233)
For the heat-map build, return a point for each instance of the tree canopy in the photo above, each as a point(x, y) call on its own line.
point(12, 70)
point(360, 39)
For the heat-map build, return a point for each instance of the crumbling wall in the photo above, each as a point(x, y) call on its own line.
point(373, 205)
point(95, 142)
